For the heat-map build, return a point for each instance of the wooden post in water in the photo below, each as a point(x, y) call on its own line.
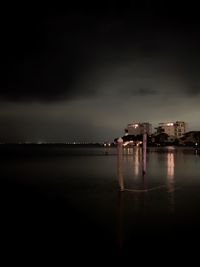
point(120, 163)
point(144, 153)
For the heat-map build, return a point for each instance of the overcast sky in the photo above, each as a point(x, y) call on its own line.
point(83, 73)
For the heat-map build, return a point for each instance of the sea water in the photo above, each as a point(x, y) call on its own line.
point(53, 195)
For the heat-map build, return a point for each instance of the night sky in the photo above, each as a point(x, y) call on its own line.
point(81, 73)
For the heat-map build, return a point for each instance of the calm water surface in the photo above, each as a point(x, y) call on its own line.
point(68, 200)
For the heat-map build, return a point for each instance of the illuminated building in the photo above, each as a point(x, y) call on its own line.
point(176, 129)
point(138, 128)
point(180, 128)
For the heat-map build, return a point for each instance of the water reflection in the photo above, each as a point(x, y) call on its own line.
point(132, 157)
point(120, 221)
point(142, 190)
point(129, 168)
point(120, 167)
point(170, 180)
point(137, 156)
point(170, 172)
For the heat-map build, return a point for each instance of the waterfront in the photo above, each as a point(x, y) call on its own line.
point(59, 195)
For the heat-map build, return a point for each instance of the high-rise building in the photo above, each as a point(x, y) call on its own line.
point(166, 127)
point(139, 128)
point(180, 128)
point(175, 129)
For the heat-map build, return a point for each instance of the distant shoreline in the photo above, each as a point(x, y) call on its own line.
point(51, 144)
point(91, 145)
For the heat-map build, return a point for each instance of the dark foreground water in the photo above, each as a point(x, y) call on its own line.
point(61, 202)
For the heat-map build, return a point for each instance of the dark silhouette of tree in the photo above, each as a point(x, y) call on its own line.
point(161, 138)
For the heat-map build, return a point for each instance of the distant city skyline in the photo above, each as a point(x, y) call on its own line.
point(81, 73)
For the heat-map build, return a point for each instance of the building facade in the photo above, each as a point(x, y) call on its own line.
point(139, 128)
point(175, 129)
point(180, 128)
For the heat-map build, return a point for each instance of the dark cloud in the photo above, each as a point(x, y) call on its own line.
point(145, 92)
point(91, 68)
point(139, 92)
point(45, 55)
point(193, 90)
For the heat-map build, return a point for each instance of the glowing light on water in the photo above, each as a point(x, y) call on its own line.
point(170, 165)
